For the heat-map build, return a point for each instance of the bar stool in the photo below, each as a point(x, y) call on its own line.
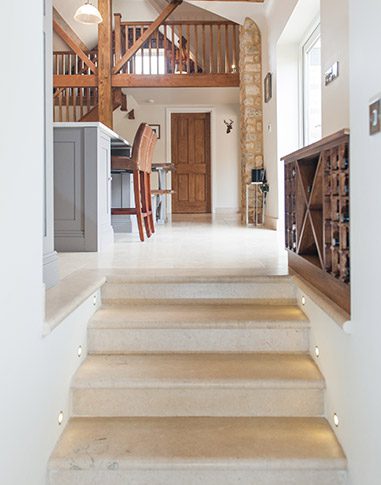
point(140, 166)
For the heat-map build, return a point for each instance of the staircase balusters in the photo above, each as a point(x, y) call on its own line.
point(187, 47)
point(176, 47)
point(74, 104)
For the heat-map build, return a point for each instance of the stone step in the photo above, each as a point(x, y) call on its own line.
point(198, 326)
point(198, 385)
point(189, 451)
point(275, 289)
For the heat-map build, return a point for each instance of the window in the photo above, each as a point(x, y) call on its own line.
point(150, 62)
point(311, 88)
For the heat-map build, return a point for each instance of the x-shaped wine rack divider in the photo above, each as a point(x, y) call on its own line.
point(308, 197)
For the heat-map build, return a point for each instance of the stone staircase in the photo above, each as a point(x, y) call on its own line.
point(198, 381)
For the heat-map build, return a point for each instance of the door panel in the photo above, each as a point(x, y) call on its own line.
point(190, 138)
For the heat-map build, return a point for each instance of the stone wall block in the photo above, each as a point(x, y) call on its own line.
point(251, 98)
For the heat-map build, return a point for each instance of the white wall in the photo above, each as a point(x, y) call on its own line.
point(351, 363)
point(335, 47)
point(365, 62)
point(225, 148)
point(287, 23)
point(278, 15)
point(35, 370)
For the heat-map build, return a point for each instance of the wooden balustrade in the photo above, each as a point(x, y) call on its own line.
point(153, 54)
point(69, 63)
point(74, 104)
point(186, 47)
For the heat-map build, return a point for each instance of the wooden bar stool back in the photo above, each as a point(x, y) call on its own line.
point(140, 165)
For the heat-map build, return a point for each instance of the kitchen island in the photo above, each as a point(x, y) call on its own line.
point(82, 186)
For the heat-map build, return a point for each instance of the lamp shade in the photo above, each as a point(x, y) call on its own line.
point(88, 14)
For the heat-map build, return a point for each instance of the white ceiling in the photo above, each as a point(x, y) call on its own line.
point(87, 33)
point(184, 96)
point(133, 10)
point(235, 11)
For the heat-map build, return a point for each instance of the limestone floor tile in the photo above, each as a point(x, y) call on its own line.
point(198, 242)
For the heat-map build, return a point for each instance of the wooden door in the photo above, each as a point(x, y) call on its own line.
point(190, 140)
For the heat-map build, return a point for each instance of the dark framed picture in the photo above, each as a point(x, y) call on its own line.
point(156, 130)
point(268, 87)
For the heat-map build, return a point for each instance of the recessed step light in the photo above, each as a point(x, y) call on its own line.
point(60, 418)
point(336, 420)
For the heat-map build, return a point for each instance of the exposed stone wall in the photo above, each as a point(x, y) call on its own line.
point(251, 101)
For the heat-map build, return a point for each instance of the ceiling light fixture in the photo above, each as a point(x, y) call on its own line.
point(88, 14)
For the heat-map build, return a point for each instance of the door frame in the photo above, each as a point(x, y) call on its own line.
point(168, 146)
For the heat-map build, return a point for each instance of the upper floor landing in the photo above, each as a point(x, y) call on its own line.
point(159, 53)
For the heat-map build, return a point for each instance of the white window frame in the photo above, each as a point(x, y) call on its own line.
point(308, 41)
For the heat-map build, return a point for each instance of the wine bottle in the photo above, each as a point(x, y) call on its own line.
point(345, 273)
point(345, 214)
point(346, 185)
point(335, 239)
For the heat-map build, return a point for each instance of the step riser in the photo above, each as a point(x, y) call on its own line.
point(114, 341)
point(198, 476)
point(197, 402)
point(274, 292)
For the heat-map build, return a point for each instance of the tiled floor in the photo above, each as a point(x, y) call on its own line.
point(216, 245)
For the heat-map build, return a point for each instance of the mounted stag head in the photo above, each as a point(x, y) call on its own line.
point(229, 126)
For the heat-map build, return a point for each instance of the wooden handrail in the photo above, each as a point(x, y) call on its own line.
point(183, 22)
point(94, 51)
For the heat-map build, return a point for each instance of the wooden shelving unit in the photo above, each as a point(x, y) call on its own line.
point(317, 215)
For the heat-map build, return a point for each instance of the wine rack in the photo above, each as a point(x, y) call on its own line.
point(336, 211)
point(317, 215)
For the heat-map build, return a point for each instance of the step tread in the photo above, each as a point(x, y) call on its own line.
point(270, 443)
point(195, 275)
point(264, 370)
point(205, 314)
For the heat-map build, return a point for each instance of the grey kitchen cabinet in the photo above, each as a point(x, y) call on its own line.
point(82, 186)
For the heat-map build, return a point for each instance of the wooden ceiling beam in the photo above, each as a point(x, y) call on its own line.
point(69, 31)
point(147, 34)
point(175, 80)
point(66, 37)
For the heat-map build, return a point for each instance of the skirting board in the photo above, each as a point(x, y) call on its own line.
point(50, 269)
point(272, 223)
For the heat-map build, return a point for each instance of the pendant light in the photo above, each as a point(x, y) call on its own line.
point(88, 14)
